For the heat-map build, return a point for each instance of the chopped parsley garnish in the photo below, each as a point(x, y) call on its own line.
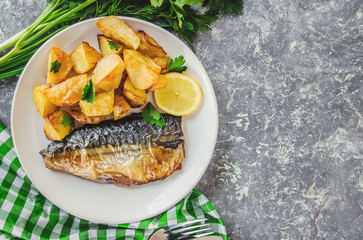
point(68, 120)
point(113, 45)
point(176, 65)
point(55, 66)
point(89, 92)
point(151, 115)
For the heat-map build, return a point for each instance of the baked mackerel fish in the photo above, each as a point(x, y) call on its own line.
point(125, 152)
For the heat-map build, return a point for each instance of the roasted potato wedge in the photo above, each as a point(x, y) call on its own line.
point(67, 92)
point(135, 97)
point(141, 69)
point(66, 63)
point(108, 72)
point(54, 129)
point(149, 46)
point(103, 104)
point(84, 57)
point(108, 46)
point(89, 77)
point(42, 103)
point(82, 118)
point(123, 79)
point(163, 63)
point(120, 107)
point(159, 83)
point(119, 31)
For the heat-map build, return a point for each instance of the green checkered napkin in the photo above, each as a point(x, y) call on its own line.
point(25, 213)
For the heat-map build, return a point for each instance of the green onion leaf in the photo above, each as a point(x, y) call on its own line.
point(176, 65)
point(113, 45)
point(179, 15)
point(89, 92)
point(68, 120)
point(55, 66)
point(150, 114)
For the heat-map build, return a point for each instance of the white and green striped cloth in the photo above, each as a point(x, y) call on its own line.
point(26, 214)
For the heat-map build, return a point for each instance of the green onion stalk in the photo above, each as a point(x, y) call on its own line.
point(177, 15)
point(27, 41)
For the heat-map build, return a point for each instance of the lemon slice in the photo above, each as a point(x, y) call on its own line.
point(181, 96)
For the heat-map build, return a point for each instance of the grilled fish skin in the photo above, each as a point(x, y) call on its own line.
point(125, 152)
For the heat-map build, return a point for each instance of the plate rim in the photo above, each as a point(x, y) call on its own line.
point(214, 106)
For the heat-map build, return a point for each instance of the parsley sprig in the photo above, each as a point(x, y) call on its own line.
point(55, 66)
point(150, 114)
point(177, 65)
point(89, 92)
point(113, 45)
point(68, 120)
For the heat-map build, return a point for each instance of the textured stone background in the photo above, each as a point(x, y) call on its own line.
point(288, 80)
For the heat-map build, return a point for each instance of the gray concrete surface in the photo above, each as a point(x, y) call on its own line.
point(288, 80)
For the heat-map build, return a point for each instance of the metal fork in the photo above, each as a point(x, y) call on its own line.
point(185, 230)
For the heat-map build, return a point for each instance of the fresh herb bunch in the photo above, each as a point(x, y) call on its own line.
point(185, 17)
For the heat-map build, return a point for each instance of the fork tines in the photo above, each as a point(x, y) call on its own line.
point(184, 231)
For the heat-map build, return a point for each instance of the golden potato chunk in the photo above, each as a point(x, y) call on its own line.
point(149, 46)
point(84, 57)
point(103, 104)
point(123, 79)
point(119, 31)
point(89, 77)
point(108, 46)
point(135, 97)
point(67, 92)
point(54, 129)
point(120, 107)
point(159, 83)
point(42, 103)
point(59, 65)
point(108, 72)
point(141, 69)
point(80, 117)
point(163, 63)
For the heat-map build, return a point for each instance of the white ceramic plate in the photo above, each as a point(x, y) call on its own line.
point(107, 203)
